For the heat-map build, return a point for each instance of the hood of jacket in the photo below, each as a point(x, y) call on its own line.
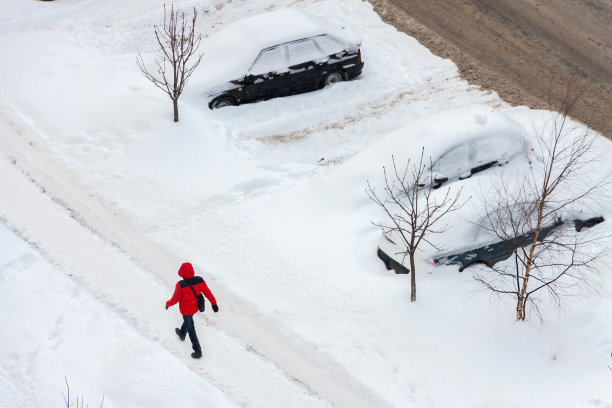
point(186, 271)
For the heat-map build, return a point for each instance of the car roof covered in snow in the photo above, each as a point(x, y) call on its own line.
point(230, 52)
point(275, 27)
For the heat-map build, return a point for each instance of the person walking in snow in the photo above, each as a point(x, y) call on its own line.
point(185, 293)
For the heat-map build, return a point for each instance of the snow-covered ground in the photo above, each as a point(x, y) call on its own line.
point(103, 198)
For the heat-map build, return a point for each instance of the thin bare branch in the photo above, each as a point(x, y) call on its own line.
point(178, 45)
point(411, 209)
point(557, 259)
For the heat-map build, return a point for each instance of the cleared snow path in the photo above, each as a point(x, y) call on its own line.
point(249, 356)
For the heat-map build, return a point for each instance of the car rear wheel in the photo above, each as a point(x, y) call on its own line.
point(332, 78)
point(223, 101)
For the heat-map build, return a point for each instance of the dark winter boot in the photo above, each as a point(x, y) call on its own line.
point(196, 354)
point(178, 333)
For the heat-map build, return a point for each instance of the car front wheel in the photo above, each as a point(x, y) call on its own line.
point(222, 102)
point(332, 78)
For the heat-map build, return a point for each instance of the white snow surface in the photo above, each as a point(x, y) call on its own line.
point(103, 197)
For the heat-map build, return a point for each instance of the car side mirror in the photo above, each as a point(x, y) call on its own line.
point(249, 78)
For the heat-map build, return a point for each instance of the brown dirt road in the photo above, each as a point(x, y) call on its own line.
point(525, 50)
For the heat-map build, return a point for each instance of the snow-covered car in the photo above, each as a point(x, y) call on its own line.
point(476, 155)
point(501, 250)
point(276, 54)
point(392, 251)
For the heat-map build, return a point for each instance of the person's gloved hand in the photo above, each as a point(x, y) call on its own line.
point(215, 308)
point(166, 307)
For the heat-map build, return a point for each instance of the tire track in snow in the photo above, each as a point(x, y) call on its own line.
point(440, 96)
point(249, 356)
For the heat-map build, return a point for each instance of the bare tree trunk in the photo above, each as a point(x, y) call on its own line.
point(412, 278)
point(175, 105)
point(522, 297)
point(521, 307)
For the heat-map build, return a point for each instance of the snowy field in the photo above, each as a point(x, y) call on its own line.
point(103, 197)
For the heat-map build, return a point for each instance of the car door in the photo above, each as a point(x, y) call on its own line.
point(306, 63)
point(268, 77)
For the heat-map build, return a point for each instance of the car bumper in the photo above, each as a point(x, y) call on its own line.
point(353, 70)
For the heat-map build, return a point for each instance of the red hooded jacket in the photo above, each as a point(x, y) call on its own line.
point(188, 304)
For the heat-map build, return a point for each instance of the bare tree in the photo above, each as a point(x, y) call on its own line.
point(413, 210)
point(179, 44)
point(70, 403)
point(534, 214)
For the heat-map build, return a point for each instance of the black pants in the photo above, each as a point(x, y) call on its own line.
point(189, 328)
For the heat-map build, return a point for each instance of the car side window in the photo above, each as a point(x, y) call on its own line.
point(272, 59)
point(303, 51)
point(329, 45)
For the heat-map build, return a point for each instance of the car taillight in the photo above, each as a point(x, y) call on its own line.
point(360, 57)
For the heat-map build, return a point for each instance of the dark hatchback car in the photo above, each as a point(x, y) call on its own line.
point(307, 54)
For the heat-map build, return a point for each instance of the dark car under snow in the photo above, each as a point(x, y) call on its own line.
point(393, 255)
point(289, 52)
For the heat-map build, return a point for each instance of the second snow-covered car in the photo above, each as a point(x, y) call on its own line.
point(477, 154)
point(280, 53)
